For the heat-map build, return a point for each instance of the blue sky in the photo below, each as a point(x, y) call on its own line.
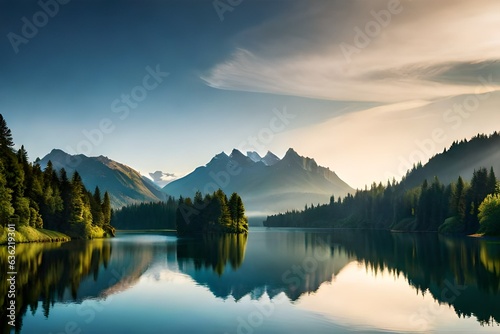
point(368, 86)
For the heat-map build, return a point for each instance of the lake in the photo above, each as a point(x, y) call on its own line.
point(271, 281)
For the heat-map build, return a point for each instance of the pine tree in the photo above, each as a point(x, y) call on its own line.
point(458, 202)
point(180, 221)
point(477, 193)
point(96, 207)
point(22, 156)
point(237, 213)
point(106, 209)
point(65, 187)
point(6, 209)
point(223, 215)
point(30, 197)
point(240, 214)
point(492, 182)
point(423, 209)
point(80, 217)
point(233, 208)
point(6, 141)
point(240, 209)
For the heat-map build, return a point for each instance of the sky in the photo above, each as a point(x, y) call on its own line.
point(365, 87)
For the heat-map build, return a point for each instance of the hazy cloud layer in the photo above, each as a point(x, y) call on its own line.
point(425, 50)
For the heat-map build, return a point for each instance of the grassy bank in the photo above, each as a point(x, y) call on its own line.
point(90, 232)
point(30, 234)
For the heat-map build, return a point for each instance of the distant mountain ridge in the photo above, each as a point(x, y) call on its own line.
point(124, 184)
point(461, 159)
point(269, 159)
point(266, 184)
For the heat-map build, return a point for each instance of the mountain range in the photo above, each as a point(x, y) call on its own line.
point(124, 184)
point(266, 184)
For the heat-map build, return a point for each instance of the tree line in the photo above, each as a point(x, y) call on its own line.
point(151, 215)
point(213, 213)
point(30, 196)
point(459, 208)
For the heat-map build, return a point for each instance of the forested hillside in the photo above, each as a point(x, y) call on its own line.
point(32, 197)
point(462, 158)
point(124, 184)
point(459, 207)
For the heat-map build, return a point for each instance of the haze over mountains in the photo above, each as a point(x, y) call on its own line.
point(266, 184)
point(124, 184)
point(269, 159)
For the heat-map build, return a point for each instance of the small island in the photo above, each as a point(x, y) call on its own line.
point(213, 213)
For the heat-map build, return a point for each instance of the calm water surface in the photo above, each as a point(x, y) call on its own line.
point(271, 281)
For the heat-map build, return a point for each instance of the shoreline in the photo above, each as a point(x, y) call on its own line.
point(27, 234)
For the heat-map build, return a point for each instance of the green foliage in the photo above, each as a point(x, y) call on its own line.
point(458, 203)
point(49, 270)
point(237, 211)
point(433, 206)
point(96, 207)
point(452, 225)
point(144, 216)
point(6, 142)
point(106, 209)
point(6, 209)
point(30, 197)
point(480, 187)
point(212, 214)
point(79, 208)
point(394, 207)
point(30, 234)
point(459, 159)
point(215, 251)
point(22, 211)
point(489, 215)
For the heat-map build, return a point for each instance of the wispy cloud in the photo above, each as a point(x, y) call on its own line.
point(428, 50)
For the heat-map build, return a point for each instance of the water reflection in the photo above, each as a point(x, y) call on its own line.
point(73, 271)
point(462, 273)
point(213, 251)
point(275, 262)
